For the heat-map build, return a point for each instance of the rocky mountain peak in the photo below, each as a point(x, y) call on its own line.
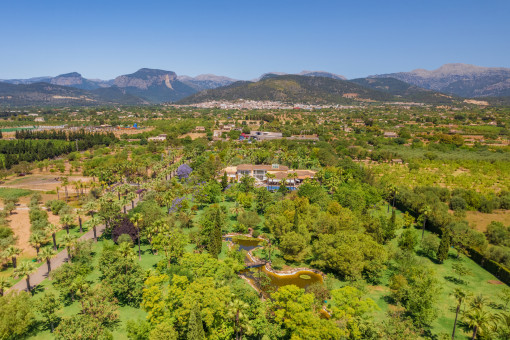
point(145, 78)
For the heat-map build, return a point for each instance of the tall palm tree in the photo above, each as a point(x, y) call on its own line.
point(477, 319)
point(95, 221)
point(65, 182)
point(478, 302)
point(236, 311)
point(46, 255)
point(292, 177)
point(80, 212)
point(37, 240)
point(90, 207)
point(4, 284)
point(24, 270)
point(131, 196)
point(460, 295)
point(69, 241)
point(270, 177)
point(503, 329)
point(136, 219)
point(53, 229)
point(66, 221)
point(12, 252)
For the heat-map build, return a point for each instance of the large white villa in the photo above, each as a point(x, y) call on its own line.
point(268, 174)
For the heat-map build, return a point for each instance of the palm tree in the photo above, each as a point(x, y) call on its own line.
point(136, 219)
point(460, 295)
point(394, 192)
point(270, 177)
point(236, 312)
point(80, 212)
point(46, 255)
point(478, 319)
point(37, 240)
point(426, 212)
point(123, 202)
point(478, 302)
point(25, 269)
point(292, 176)
point(95, 221)
point(236, 209)
point(12, 252)
point(503, 329)
point(66, 221)
point(65, 182)
point(4, 284)
point(131, 196)
point(126, 252)
point(69, 241)
point(90, 207)
point(53, 229)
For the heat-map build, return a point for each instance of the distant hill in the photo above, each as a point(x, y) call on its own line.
point(303, 73)
point(206, 81)
point(459, 79)
point(322, 74)
point(405, 91)
point(45, 94)
point(293, 89)
point(74, 79)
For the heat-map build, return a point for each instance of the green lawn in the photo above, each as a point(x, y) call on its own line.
point(11, 193)
point(125, 312)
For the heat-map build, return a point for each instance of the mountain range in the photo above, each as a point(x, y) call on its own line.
point(445, 85)
point(459, 79)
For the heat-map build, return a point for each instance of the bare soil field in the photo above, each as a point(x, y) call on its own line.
point(42, 182)
point(119, 132)
point(480, 220)
point(194, 135)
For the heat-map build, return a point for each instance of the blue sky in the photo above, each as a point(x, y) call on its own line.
point(243, 39)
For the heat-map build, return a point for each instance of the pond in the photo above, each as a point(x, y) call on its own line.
point(247, 243)
point(302, 278)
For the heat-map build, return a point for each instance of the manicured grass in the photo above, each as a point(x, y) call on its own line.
point(126, 313)
point(11, 193)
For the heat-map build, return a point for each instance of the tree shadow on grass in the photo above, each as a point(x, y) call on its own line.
point(37, 289)
point(455, 280)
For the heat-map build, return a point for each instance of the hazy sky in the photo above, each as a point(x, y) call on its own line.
point(243, 39)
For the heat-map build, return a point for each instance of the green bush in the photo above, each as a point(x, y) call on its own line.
point(458, 203)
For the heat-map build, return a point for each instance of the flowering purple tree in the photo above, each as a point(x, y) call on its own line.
point(184, 171)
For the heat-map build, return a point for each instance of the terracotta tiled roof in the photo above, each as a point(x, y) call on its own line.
point(252, 167)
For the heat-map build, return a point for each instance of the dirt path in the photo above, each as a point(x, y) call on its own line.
point(42, 272)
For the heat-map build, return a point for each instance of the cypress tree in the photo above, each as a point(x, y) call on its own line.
point(195, 326)
point(444, 246)
point(216, 236)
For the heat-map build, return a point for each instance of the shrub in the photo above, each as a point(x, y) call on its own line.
point(430, 244)
point(458, 203)
point(55, 206)
point(124, 238)
point(248, 218)
point(498, 234)
point(499, 254)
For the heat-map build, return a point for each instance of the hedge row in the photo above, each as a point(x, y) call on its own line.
point(493, 267)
